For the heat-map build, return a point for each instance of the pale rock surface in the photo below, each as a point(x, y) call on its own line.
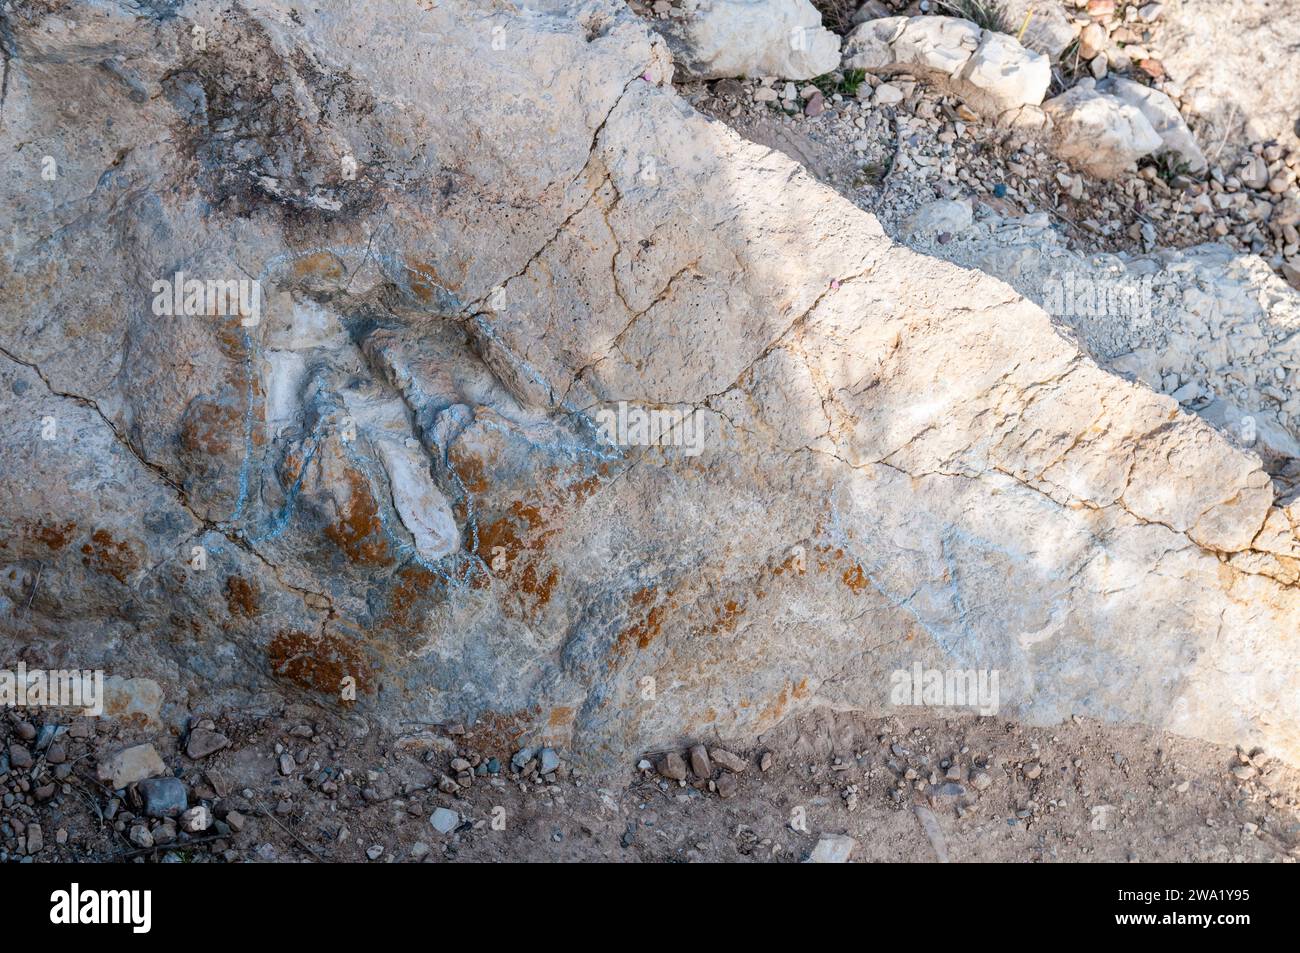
point(1216, 330)
point(1047, 28)
point(832, 849)
point(423, 509)
point(137, 700)
point(1093, 40)
point(933, 832)
point(941, 44)
point(1165, 119)
point(444, 821)
point(870, 45)
point(1263, 434)
point(1005, 74)
point(1098, 133)
point(939, 217)
point(990, 70)
point(716, 39)
point(131, 765)
point(905, 461)
point(195, 820)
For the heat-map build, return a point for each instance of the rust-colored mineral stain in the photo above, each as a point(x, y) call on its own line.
point(104, 554)
point(527, 512)
point(230, 342)
point(726, 616)
point(499, 533)
point(643, 632)
point(470, 469)
point(647, 630)
point(792, 564)
point(777, 709)
point(532, 583)
point(359, 533)
point(209, 427)
point(318, 662)
point(855, 579)
point(53, 535)
point(321, 264)
point(425, 280)
point(402, 614)
point(292, 466)
point(583, 490)
point(773, 711)
point(241, 597)
point(520, 538)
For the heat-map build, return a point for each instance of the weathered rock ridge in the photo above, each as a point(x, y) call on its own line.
point(473, 230)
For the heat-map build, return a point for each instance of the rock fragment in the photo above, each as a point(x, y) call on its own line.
point(197, 819)
point(131, 765)
point(443, 820)
point(1159, 110)
point(19, 757)
point(832, 849)
point(727, 785)
point(673, 767)
point(701, 766)
point(202, 742)
point(163, 797)
point(1097, 133)
point(990, 70)
point(732, 762)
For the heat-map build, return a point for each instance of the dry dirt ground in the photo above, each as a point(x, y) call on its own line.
point(1079, 791)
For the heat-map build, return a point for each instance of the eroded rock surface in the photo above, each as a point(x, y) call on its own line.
point(993, 72)
point(1101, 134)
point(1216, 331)
point(1104, 128)
point(491, 226)
point(1176, 139)
point(715, 39)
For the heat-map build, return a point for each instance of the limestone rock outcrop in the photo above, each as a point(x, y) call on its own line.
point(1175, 137)
point(1104, 128)
point(1040, 25)
point(990, 70)
point(717, 39)
point(1101, 134)
point(473, 231)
